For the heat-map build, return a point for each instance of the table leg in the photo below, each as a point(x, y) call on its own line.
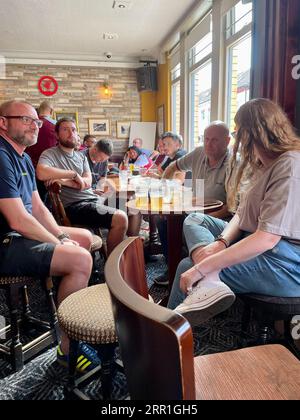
point(174, 226)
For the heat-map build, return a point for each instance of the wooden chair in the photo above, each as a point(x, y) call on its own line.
point(156, 346)
point(62, 219)
point(22, 320)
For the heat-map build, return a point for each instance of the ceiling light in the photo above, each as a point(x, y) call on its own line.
point(110, 36)
point(122, 4)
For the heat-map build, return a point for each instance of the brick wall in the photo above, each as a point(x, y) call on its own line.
point(81, 90)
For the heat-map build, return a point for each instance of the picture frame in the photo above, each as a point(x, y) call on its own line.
point(99, 126)
point(68, 114)
point(160, 120)
point(123, 129)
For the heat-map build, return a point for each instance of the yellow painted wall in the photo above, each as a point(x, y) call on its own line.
point(148, 106)
point(150, 101)
point(163, 95)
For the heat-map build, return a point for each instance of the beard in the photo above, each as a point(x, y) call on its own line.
point(27, 139)
point(68, 143)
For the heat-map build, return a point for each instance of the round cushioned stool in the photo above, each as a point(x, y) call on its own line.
point(87, 316)
point(46, 332)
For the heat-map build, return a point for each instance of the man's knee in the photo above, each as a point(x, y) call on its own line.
point(120, 220)
point(70, 259)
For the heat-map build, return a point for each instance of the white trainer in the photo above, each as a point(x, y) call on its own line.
point(204, 303)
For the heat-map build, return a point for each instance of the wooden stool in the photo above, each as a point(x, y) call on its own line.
point(11, 346)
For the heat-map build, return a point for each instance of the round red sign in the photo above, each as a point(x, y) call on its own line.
point(48, 86)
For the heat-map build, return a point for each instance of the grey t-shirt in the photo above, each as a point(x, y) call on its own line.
point(271, 203)
point(75, 161)
point(214, 178)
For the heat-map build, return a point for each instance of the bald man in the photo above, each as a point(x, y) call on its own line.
point(208, 163)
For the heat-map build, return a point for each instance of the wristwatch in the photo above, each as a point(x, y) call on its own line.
point(223, 240)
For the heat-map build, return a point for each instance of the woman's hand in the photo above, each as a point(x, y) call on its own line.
point(199, 254)
point(188, 278)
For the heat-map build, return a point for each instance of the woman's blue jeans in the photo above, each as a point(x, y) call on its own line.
point(274, 273)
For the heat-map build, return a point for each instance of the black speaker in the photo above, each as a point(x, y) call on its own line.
point(147, 78)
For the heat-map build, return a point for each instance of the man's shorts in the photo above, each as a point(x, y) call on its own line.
point(91, 213)
point(24, 257)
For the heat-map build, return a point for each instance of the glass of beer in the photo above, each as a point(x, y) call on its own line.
point(141, 196)
point(156, 198)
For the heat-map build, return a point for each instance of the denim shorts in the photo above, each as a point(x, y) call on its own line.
point(24, 257)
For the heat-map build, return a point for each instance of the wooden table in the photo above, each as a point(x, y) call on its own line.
point(175, 215)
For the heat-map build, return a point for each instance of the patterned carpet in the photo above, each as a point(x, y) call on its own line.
point(43, 379)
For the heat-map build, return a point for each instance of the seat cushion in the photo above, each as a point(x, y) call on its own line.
point(275, 307)
point(87, 315)
point(96, 244)
point(14, 280)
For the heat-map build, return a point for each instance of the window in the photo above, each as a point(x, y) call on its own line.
point(175, 98)
point(200, 83)
point(238, 49)
point(239, 59)
point(237, 18)
point(175, 73)
point(210, 67)
point(202, 49)
point(176, 107)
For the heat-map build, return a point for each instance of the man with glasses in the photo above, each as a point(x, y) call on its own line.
point(31, 242)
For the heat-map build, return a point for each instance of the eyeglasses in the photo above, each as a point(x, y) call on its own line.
point(233, 134)
point(25, 120)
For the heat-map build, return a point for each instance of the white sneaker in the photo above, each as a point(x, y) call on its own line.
point(204, 303)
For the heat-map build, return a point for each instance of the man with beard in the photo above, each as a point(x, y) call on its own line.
point(31, 242)
point(72, 170)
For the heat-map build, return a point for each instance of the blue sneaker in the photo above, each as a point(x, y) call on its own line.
point(86, 361)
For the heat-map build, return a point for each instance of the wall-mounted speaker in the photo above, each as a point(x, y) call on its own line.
point(147, 78)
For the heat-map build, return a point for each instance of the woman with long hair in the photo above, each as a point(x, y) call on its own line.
point(259, 250)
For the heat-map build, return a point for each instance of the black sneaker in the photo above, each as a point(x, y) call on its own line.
point(162, 280)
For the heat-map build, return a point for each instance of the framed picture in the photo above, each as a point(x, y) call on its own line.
point(99, 127)
point(123, 129)
point(68, 114)
point(160, 120)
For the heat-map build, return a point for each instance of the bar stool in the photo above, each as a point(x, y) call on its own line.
point(22, 318)
point(87, 316)
point(267, 310)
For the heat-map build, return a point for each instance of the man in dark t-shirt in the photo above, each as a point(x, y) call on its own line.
point(97, 157)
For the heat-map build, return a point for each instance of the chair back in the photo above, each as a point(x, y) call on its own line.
point(156, 343)
point(58, 209)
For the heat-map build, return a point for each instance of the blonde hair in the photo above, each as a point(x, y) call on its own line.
point(261, 123)
point(45, 106)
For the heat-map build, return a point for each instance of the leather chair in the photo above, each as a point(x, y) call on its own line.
point(21, 320)
point(156, 346)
